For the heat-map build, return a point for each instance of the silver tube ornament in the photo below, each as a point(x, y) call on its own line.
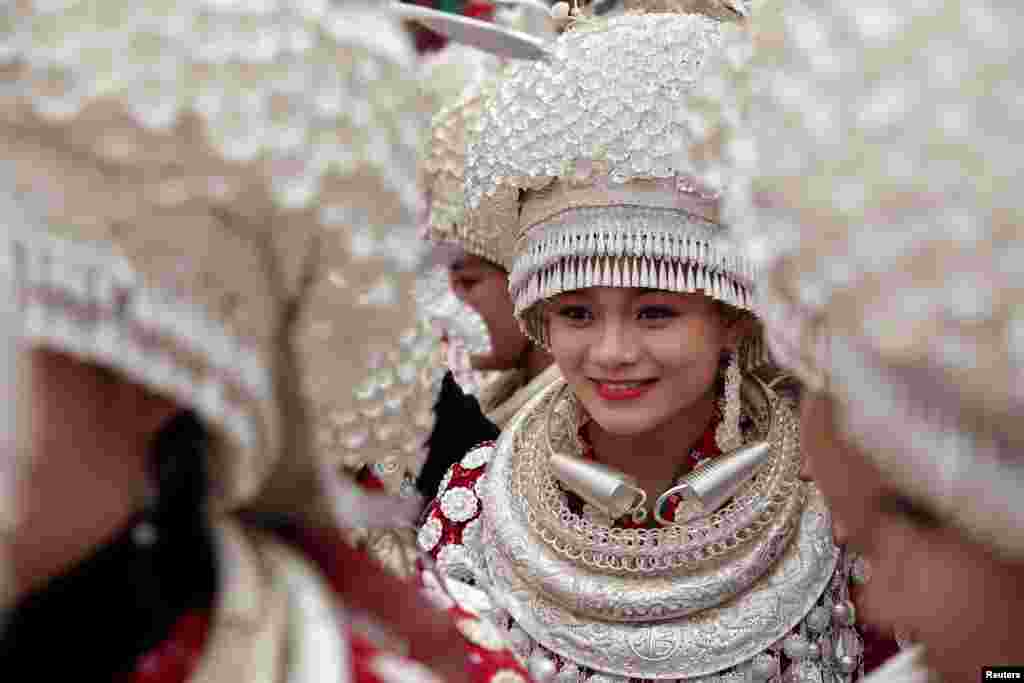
point(613, 493)
point(706, 489)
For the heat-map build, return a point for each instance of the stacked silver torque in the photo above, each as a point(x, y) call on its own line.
point(657, 618)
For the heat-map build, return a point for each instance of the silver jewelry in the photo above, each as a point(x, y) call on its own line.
point(729, 436)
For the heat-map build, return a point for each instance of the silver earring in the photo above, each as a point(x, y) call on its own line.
point(144, 532)
point(728, 435)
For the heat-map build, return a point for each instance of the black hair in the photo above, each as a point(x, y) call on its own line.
point(460, 424)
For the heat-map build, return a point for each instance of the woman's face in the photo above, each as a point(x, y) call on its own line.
point(635, 357)
point(86, 440)
point(483, 286)
point(928, 579)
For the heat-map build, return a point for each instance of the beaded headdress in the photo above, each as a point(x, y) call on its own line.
point(457, 80)
point(881, 185)
point(463, 76)
point(583, 159)
point(218, 201)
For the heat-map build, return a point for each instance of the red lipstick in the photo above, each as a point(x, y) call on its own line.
point(618, 392)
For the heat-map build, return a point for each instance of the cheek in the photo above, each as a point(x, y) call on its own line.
point(957, 599)
point(687, 355)
point(568, 345)
point(491, 300)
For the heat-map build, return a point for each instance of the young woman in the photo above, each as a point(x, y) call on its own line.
point(894, 287)
point(196, 324)
point(508, 367)
point(642, 519)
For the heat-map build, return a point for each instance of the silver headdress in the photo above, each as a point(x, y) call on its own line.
point(457, 81)
point(877, 169)
point(584, 159)
point(464, 75)
point(220, 203)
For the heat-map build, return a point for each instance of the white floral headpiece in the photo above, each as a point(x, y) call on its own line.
point(584, 159)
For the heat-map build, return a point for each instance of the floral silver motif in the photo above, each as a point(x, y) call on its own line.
point(446, 479)
point(391, 669)
point(480, 486)
point(607, 678)
point(569, 673)
point(482, 633)
point(478, 457)
point(455, 561)
point(459, 504)
point(439, 305)
point(407, 489)
point(435, 592)
point(610, 94)
point(429, 534)
point(471, 535)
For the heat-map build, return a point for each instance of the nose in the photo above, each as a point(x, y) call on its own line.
point(615, 345)
point(840, 534)
point(806, 473)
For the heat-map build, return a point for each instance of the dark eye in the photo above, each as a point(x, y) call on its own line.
point(464, 283)
point(575, 313)
point(657, 313)
point(920, 516)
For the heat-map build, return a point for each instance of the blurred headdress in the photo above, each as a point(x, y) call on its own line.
point(456, 117)
point(876, 179)
point(219, 202)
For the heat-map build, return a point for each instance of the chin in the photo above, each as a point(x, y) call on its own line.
point(624, 421)
point(620, 427)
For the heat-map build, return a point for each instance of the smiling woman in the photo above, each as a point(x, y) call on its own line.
point(637, 357)
point(652, 496)
point(643, 364)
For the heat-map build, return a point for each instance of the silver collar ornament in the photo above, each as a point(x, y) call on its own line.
point(654, 603)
